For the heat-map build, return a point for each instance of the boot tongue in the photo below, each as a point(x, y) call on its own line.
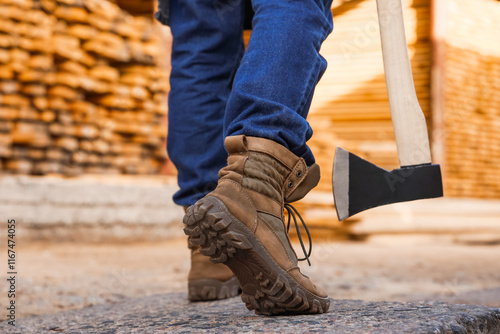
point(310, 181)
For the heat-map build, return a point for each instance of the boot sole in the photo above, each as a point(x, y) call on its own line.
point(266, 287)
point(212, 289)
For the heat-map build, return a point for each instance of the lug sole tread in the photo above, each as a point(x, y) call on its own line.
point(270, 290)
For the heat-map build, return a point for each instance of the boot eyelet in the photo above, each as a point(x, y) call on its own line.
point(299, 173)
point(290, 185)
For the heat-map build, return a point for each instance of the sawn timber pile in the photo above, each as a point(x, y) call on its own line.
point(81, 89)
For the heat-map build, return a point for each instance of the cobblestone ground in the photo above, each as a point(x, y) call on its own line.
point(57, 277)
point(171, 313)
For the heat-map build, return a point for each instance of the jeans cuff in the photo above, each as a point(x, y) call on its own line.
point(163, 13)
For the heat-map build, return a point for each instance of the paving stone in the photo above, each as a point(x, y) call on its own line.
point(173, 313)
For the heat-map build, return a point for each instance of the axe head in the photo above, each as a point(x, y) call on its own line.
point(359, 185)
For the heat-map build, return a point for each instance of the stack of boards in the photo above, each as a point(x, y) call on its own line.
point(350, 107)
point(471, 120)
point(82, 89)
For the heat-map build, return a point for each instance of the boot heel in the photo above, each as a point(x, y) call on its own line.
point(207, 226)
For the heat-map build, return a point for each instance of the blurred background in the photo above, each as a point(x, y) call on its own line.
point(84, 172)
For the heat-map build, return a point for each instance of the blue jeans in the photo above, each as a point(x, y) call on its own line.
point(219, 90)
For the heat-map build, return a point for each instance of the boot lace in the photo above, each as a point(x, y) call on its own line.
point(293, 214)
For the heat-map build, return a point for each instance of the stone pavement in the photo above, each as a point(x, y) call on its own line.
point(172, 313)
point(55, 277)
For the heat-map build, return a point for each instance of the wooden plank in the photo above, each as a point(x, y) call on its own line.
point(30, 134)
point(35, 45)
point(20, 152)
point(4, 56)
point(57, 154)
point(6, 72)
point(67, 143)
point(14, 100)
point(28, 114)
point(19, 166)
point(65, 92)
point(47, 116)
point(73, 67)
point(41, 62)
point(8, 41)
point(5, 126)
point(105, 73)
point(72, 14)
point(9, 87)
point(34, 89)
point(48, 167)
point(40, 103)
point(134, 79)
point(82, 31)
point(5, 152)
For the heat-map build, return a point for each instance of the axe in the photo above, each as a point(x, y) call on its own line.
point(359, 185)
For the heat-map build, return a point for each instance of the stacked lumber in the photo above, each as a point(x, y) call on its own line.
point(350, 107)
point(81, 89)
point(472, 100)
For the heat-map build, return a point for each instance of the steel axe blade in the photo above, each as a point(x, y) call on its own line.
point(361, 185)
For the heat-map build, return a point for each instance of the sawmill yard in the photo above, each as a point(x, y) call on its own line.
point(85, 175)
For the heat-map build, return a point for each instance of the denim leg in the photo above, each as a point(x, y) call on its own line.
point(206, 51)
point(275, 82)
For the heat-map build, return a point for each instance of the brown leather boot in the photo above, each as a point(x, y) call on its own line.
point(207, 280)
point(241, 224)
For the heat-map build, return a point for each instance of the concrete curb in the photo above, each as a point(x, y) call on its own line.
point(91, 208)
point(439, 215)
point(107, 208)
point(172, 313)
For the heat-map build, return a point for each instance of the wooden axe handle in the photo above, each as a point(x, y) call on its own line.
point(408, 119)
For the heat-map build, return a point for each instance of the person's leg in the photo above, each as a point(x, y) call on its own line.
point(275, 82)
point(206, 51)
point(241, 223)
